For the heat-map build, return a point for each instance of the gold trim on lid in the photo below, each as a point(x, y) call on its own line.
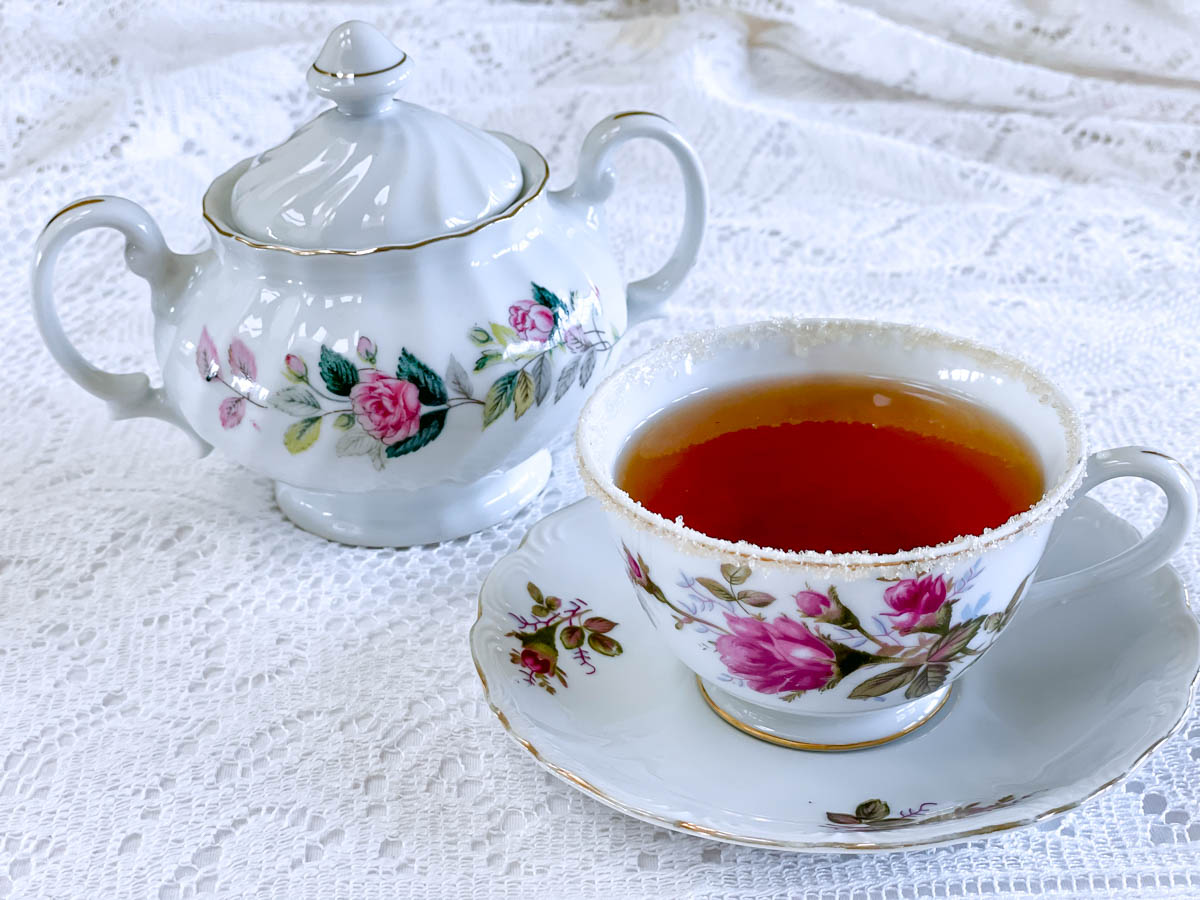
point(299, 251)
point(320, 71)
point(806, 745)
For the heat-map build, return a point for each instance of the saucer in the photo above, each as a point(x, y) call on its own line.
point(1075, 695)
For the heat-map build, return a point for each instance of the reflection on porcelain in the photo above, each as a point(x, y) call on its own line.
point(846, 650)
point(1026, 735)
point(394, 318)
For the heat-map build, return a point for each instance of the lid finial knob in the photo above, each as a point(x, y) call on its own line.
point(359, 69)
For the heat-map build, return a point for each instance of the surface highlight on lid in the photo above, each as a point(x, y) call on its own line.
point(373, 170)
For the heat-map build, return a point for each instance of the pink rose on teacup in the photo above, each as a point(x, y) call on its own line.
point(531, 320)
point(776, 657)
point(916, 602)
point(387, 408)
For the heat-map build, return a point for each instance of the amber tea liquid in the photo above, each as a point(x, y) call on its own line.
point(832, 463)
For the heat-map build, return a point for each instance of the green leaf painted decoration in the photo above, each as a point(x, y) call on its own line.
point(955, 641)
point(599, 624)
point(487, 358)
point(542, 374)
point(602, 643)
point(295, 400)
point(931, 677)
point(504, 334)
point(338, 373)
point(535, 592)
point(432, 424)
point(480, 335)
point(459, 379)
point(522, 394)
point(717, 589)
point(884, 683)
point(344, 422)
point(735, 574)
point(499, 397)
point(841, 818)
point(431, 390)
point(356, 443)
point(566, 378)
point(572, 637)
point(587, 367)
point(552, 603)
point(550, 300)
point(301, 435)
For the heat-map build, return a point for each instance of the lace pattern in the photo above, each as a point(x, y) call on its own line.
point(196, 698)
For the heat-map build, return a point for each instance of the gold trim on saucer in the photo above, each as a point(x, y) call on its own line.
point(320, 71)
point(806, 745)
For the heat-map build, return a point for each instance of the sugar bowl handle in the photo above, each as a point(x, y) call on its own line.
point(146, 253)
point(1155, 547)
point(595, 183)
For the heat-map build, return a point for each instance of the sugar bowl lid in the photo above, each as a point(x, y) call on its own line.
point(372, 171)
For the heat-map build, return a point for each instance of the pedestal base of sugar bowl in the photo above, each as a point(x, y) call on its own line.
point(439, 512)
point(823, 733)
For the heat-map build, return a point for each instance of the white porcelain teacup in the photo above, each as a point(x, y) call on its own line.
point(850, 650)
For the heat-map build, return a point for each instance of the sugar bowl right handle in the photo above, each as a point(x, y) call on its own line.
point(595, 183)
point(1156, 547)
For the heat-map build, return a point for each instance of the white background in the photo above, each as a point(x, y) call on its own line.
point(196, 698)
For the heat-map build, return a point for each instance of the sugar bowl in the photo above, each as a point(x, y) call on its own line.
point(394, 317)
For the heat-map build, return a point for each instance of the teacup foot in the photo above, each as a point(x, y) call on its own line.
point(439, 512)
point(831, 733)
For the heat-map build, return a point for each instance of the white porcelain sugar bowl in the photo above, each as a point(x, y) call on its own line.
point(395, 317)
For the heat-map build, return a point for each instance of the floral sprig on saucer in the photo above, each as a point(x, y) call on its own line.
point(820, 641)
point(552, 624)
point(876, 815)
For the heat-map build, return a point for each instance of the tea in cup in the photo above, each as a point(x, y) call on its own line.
point(829, 520)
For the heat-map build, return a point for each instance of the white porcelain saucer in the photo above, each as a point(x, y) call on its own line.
point(1076, 693)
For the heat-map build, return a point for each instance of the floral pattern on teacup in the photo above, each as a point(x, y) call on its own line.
point(552, 625)
point(816, 640)
point(387, 412)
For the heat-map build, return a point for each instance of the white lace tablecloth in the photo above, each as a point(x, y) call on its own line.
point(196, 698)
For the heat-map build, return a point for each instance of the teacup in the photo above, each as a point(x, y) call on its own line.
point(849, 650)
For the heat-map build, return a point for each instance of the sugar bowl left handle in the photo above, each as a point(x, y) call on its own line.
point(146, 253)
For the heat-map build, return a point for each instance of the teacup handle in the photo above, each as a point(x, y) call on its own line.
point(146, 253)
point(595, 181)
point(1155, 548)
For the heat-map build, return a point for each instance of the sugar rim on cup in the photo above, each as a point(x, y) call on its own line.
point(697, 346)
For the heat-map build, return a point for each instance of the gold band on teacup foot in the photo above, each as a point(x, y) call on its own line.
point(805, 745)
